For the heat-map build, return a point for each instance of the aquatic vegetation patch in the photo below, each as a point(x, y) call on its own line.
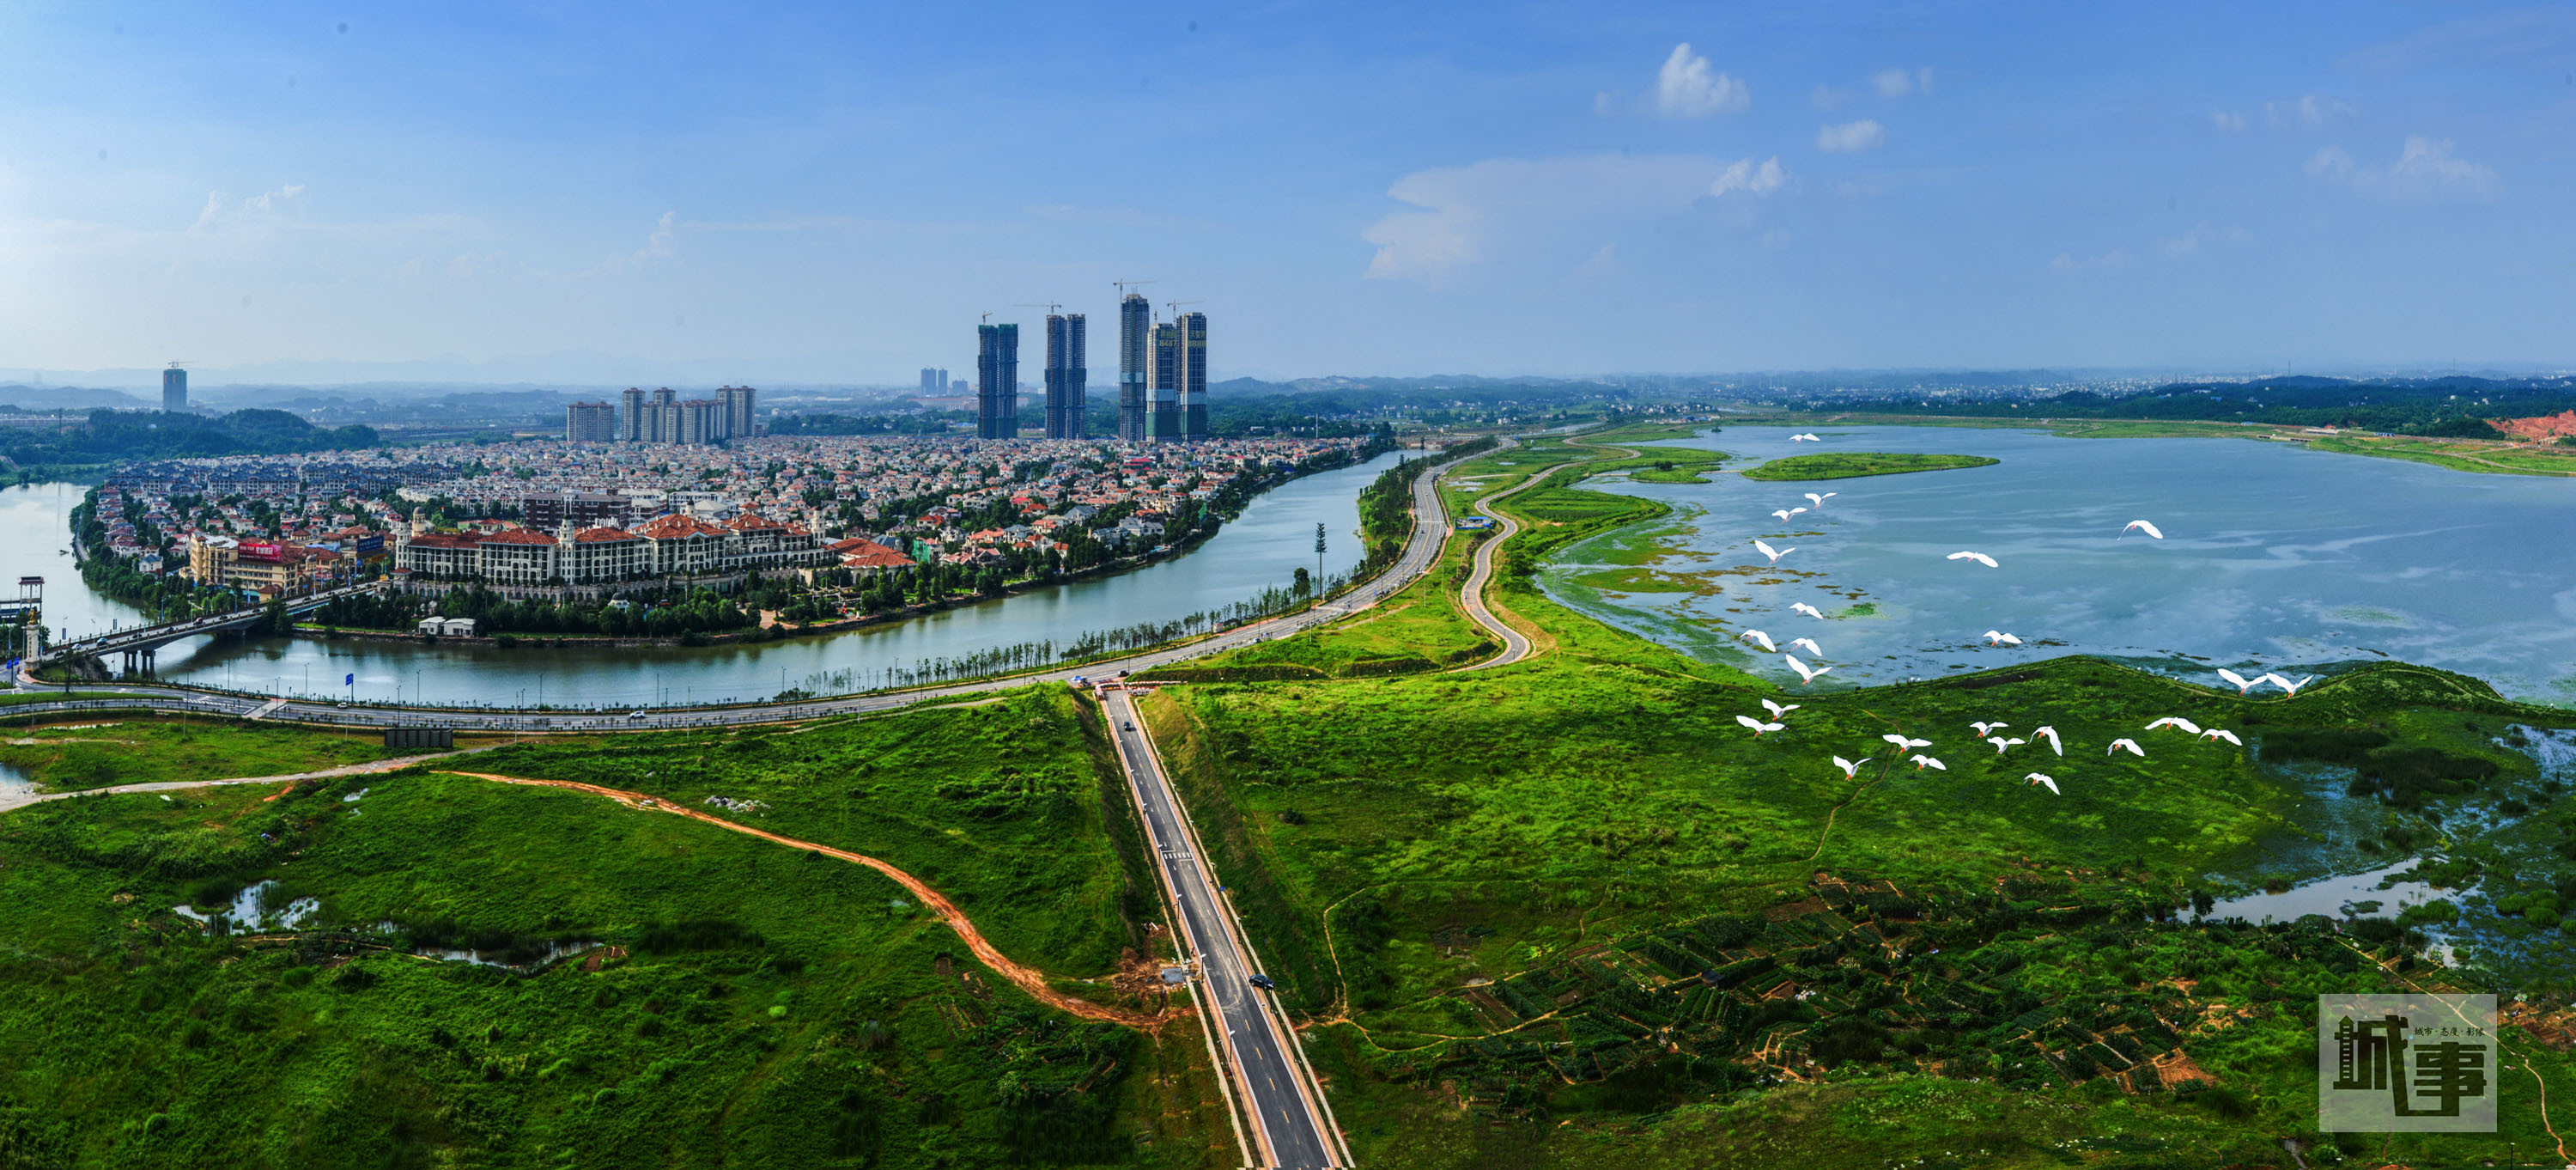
point(1851, 464)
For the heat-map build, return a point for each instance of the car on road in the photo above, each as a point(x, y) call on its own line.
point(1264, 983)
point(1126, 725)
point(634, 714)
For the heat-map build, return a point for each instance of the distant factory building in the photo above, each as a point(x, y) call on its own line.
point(1135, 361)
point(174, 389)
point(590, 422)
point(997, 381)
point(1066, 377)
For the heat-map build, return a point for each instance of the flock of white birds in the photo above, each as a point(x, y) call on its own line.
point(1990, 732)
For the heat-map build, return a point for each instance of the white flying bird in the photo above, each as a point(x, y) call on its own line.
point(2217, 733)
point(1851, 768)
point(1759, 638)
point(2242, 683)
point(2287, 685)
point(1810, 644)
point(1757, 725)
point(2129, 745)
point(1785, 513)
point(1985, 728)
point(1922, 761)
point(1805, 673)
point(2037, 778)
point(2002, 745)
point(2050, 734)
point(1978, 557)
point(2175, 721)
point(1774, 553)
point(2142, 526)
point(1804, 439)
point(1904, 744)
point(1819, 498)
point(1778, 709)
point(1809, 610)
point(2000, 638)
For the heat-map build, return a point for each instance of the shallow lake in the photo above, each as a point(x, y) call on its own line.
point(2275, 557)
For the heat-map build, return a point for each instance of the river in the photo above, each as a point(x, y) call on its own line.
point(2275, 557)
point(1261, 549)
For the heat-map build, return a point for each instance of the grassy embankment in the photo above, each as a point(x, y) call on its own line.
point(766, 1006)
point(65, 753)
point(1592, 831)
point(1853, 464)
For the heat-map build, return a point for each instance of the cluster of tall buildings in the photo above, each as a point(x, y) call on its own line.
point(934, 381)
point(1162, 376)
point(659, 416)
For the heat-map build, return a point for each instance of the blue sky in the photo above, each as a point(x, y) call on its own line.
point(602, 193)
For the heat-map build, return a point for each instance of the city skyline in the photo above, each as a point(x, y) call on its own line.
point(1375, 193)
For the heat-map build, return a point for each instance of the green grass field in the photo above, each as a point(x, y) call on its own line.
point(766, 1007)
point(96, 751)
point(1852, 464)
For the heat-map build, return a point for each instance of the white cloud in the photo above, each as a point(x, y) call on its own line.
point(1602, 103)
point(1827, 97)
point(665, 237)
point(1851, 136)
point(2228, 120)
point(1500, 208)
point(2330, 163)
point(2311, 110)
point(2425, 171)
point(1687, 88)
point(2069, 262)
point(1743, 175)
point(1893, 82)
point(219, 206)
point(1923, 79)
point(2189, 243)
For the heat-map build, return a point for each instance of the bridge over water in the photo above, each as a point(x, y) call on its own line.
point(139, 642)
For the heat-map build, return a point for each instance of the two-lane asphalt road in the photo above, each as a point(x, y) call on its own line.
point(1265, 1069)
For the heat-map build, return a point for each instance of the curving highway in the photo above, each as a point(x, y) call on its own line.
point(1516, 645)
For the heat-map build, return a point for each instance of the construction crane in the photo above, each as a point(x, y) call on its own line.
point(1174, 307)
point(988, 319)
point(183, 364)
point(1124, 285)
point(1051, 306)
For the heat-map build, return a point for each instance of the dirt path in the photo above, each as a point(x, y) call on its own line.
point(1029, 979)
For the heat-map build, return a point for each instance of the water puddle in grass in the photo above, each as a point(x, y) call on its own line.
point(2357, 895)
point(251, 910)
point(522, 959)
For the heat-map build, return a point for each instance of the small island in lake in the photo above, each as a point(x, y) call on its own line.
point(1847, 464)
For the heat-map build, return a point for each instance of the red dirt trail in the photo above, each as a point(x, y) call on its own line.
point(1029, 979)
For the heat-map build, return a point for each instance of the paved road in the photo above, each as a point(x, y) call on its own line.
point(1421, 551)
point(1264, 1063)
point(1516, 645)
